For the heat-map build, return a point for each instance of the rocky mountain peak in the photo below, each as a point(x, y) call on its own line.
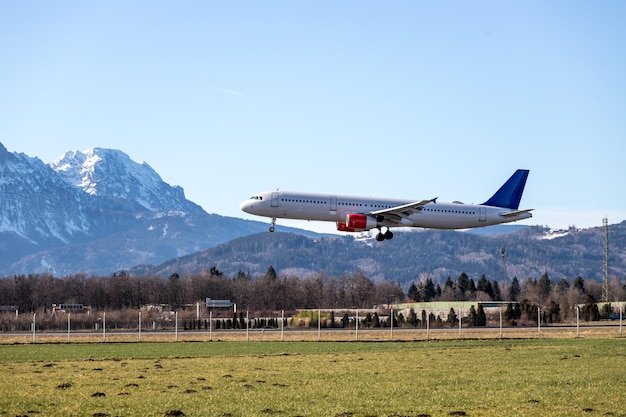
point(79, 198)
point(113, 174)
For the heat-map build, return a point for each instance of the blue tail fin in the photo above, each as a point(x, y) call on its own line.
point(510, 194)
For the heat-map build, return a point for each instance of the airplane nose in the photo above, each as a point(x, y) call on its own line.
point(245, 206)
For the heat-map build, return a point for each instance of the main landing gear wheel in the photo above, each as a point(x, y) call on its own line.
point(272, 227)
point(384, 235)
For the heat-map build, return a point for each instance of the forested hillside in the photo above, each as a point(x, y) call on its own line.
point(437, 254)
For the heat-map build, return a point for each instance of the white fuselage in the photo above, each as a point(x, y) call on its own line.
point(335, 208)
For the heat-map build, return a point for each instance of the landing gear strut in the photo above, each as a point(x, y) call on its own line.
point(272, 227)
point(384, 235)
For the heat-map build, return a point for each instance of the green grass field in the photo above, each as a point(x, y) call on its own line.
point(547, 377)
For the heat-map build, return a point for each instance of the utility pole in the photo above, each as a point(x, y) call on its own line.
point(605, 265)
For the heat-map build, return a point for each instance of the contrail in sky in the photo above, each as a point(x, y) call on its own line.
point(15, 38)
point(224, 90)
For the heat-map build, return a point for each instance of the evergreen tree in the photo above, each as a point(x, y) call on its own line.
point(175, 291)
point(553, 312)
point(590, 310)
point(429, 290)
point(471, 318)
point(562, 286)
point(452, 318)
point(412, 318)
point(215, 272)
point(376, 320)
point(579, 284)
point(514, 290)
point(463, 284)
point(421, 291)
point(271, 273)
point(412, 293)
point(497, 295)
point(471, 290)
point(544, 286)
point(481, 317)
point(509, 313)
point(344, 320)
point(482, 283)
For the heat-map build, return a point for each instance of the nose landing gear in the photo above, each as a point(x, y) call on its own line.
point(273, 226)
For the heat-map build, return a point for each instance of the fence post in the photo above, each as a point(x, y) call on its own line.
point(69, 315)
point(34, 326)
point(539, 322)
point(282, 325)
point(140, 326)
point(391, 315)
point(319, 324)
point(104, 326)
point(176, 326)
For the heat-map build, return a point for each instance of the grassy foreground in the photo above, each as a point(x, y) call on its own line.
point(547, 377)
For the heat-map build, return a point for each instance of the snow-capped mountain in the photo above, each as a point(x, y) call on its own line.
point(111, 173)
point(98, 211)
point(37, 207)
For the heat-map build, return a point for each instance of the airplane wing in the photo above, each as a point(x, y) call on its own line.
point(397, 213)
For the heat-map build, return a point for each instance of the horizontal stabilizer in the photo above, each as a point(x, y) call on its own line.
point(515, 213)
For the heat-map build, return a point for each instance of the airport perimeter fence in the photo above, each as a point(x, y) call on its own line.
point(242, 327)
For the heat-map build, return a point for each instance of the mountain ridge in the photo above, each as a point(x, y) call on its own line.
point(410, 256)
point(97, 211)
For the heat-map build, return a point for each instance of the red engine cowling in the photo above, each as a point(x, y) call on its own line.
point(360, 222)
point(341, 226)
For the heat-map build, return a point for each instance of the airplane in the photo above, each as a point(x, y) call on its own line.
point(359, 214)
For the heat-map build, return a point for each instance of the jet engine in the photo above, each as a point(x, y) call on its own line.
point(341, 226)
point(361, 222)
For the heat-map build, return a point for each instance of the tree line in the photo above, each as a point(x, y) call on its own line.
point(271, 292)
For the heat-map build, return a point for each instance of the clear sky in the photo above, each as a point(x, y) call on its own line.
point(407, 99)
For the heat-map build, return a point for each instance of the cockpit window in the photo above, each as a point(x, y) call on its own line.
point(256, 197)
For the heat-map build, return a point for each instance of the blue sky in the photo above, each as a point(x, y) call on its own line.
point(408, 99)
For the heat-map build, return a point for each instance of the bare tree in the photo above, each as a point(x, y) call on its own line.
point(389, 292)
point(361, 290)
